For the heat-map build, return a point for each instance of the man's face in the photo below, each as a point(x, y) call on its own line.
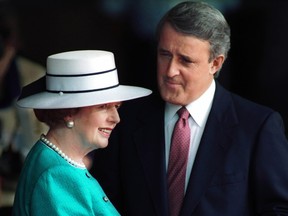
point(184, 71)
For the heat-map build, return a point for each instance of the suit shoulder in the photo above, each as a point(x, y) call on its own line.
point(249, 105)
point(241, 104)
point(142, 106)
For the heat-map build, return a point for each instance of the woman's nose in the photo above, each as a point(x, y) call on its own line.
point(114, 115)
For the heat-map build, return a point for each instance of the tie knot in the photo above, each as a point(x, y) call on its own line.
point(183, 113)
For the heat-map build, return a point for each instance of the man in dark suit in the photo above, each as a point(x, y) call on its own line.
point(238, 153)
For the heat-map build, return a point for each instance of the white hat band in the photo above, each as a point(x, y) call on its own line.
point(82, 82)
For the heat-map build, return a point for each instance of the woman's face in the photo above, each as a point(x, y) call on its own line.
point(94, 124)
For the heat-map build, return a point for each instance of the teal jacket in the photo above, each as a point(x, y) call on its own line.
point(49, 185)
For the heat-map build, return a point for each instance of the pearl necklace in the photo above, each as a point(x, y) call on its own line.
point(62, 154)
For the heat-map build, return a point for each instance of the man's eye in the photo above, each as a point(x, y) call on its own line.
point(186, 60)
point(167, 55)
point(164, 53)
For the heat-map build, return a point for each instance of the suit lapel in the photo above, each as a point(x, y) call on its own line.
point(215, 140)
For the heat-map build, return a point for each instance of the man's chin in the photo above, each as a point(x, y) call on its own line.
point(173, 99)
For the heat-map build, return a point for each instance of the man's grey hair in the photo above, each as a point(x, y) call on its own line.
point(202, 21)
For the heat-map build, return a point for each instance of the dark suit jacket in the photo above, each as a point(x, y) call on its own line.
point(241, 167)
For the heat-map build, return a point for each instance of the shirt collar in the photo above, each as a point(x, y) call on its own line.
point(198, 109)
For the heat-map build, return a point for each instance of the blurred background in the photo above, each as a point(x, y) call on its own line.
point(31, 30)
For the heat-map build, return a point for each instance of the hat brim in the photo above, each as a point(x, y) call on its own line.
point(48, 100)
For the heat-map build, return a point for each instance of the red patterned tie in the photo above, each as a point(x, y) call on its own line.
point(178, 162)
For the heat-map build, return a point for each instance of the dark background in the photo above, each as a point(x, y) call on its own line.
point(256, 67)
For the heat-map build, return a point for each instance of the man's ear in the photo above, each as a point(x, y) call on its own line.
point(217, 64)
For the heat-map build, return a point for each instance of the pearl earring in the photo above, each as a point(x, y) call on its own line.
point(70, 124)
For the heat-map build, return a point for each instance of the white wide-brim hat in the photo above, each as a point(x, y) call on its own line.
point(77, 79)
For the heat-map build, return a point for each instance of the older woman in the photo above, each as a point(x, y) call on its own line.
point(78, 99)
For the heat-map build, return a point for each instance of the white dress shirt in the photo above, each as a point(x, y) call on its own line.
point(199, 111)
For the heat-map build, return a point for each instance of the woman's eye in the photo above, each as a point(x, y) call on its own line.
point(104, 106)
point(109, 106)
